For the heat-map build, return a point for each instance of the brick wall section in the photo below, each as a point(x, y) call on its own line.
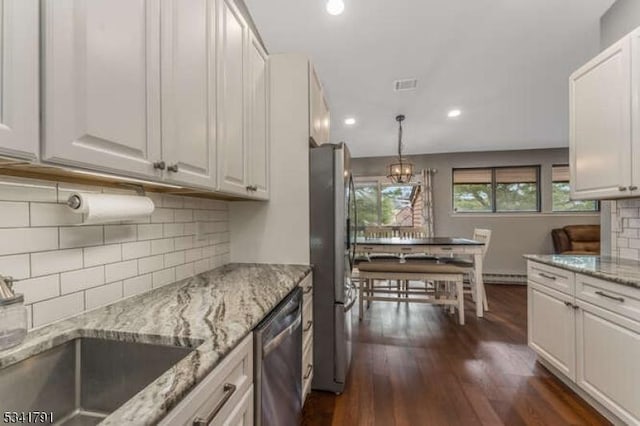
point(66, 268)
point(625, 229)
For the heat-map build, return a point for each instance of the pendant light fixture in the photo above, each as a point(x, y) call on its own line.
point(400, 171)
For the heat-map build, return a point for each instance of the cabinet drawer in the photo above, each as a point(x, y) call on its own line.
point(615, 297)
point(556, 278)
point(242, 414)
point(222, 390)
point(307, 324)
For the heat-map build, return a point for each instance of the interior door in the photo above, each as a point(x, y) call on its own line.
point(188, 91)
point(102, 84)
point(19, 78)
point(232, 72)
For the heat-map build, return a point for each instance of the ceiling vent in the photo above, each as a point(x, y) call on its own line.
point(406, 84)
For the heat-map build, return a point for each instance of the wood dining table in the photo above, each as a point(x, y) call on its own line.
point(434, 246)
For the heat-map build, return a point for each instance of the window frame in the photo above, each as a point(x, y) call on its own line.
point(494, 185)
point(379, 183)
point(598, 205)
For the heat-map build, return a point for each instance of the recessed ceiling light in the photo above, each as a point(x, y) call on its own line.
point(349, 121)
point(454, 113)
point(335, 7)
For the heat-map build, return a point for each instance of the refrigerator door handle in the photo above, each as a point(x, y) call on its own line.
point(349, 305)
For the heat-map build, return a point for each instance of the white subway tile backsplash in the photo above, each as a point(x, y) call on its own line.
point(185, 271)
point(103, 295)
point(164, 277)
point(136, 249)
point(70, 282)
point(150, 232)
point(625, 228)
point(25, 240)
point(162, 246)
point(120, 271)
point(37, 289)
point(58, 308)
point(55, 261)
point(150, 264)
point(173, 259)
point(162, 216)
point(66, 267)
point(14, 189)
point(137, 285)
point(16, 266)
point(120, 233)
point(81, 236)
point(101, 255)
point(49, 214)
point(14, 214)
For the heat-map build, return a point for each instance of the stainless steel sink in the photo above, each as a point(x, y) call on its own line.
point(84, 380)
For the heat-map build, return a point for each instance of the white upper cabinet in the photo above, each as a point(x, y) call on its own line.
point(232, 107)
point(188, 91)
point(102, 84)
point(319, 119)
point(605, 124)
point(19, 78)
point(258, 129)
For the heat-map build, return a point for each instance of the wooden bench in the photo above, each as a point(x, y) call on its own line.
point(427, 271)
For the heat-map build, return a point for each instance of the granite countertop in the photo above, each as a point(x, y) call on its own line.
point(621, 271)
point(211, 312)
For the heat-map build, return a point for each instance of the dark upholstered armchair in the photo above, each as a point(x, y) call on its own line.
point(577, 239)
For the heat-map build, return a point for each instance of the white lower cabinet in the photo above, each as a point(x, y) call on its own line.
point(224, 397)
point(307, 335)
point(551, 327)
point(591, 337)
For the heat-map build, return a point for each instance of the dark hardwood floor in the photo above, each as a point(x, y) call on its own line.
point(414, 365)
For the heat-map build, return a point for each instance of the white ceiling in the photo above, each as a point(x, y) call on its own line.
point(504, 63)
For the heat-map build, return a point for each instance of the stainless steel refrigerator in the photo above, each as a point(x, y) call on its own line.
point(333, 231)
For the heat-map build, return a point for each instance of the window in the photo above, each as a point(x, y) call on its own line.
point(381, 204)
point(496, 189)
point(562, 193)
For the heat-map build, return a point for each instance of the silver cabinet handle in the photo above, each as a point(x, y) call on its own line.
point(252, 187)
point(633, 188)
point(446, 248)
point(173, 168)
point(308, 326)
point(307, 290)
point(228, 389)
point(549, 277)
point(608, 296)
point(308, 373)
point(159, 165)
point(568, 304)
point(622, 188)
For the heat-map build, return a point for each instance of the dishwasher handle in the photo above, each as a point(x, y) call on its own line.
point(276, 340)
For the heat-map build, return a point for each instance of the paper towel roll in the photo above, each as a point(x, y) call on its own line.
point(103, 208)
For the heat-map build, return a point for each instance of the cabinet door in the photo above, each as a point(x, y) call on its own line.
point(19, 79)
point(188, 91)
point(232, 72)
point(102, 84)
point(258, 132)
point(242, 414)
point(608, 348)
point(635, 108)
point(551, 327)
point(600, 125)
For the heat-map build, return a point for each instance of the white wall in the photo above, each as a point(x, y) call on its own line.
point(513, 234)
point(278, 231)
point(622, 17)
point(68, 268)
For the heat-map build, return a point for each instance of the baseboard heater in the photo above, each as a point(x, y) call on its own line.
point(505, 279)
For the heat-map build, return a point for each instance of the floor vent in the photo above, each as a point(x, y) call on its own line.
point(406, 84)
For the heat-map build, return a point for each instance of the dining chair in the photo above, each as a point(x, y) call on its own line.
point(484, 236)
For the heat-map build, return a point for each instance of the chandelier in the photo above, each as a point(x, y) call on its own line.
point(400, 171)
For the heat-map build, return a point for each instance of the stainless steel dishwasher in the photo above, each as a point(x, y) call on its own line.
point(278, 361)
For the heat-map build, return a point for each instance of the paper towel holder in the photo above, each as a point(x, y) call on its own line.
point(74, 201)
